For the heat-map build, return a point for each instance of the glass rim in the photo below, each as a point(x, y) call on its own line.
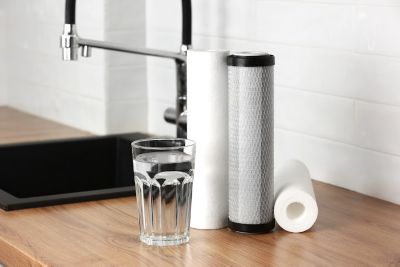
point(135, 144)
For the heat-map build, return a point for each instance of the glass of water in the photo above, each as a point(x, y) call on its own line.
point(163, 179)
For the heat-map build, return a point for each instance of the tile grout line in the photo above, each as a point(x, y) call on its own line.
point(336, 141)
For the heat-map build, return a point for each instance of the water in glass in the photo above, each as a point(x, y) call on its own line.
point(163, 182)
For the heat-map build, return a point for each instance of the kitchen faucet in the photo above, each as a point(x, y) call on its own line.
point(71, 42)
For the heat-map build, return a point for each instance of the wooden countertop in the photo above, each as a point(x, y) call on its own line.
point(351, 230)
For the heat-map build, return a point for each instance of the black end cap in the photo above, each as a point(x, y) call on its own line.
point(252, 228)
point(251, 59)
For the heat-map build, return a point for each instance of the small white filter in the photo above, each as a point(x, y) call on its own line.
point(296, 209)
point(207, 117)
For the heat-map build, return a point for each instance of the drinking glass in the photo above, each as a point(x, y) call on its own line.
point(163, 180)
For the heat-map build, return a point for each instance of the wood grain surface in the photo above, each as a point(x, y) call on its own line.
point(352, 230)
point(16, 127)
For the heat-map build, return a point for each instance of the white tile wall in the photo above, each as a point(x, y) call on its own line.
point(88, 93)
point(309, 24)
point(126, 116)
point(156, 123)
point(378, 29)
point(315, 114)
point(337, 79)
point(125, 15)
point(378, 127)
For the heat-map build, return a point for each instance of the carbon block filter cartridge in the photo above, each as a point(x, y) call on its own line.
point(251, 142)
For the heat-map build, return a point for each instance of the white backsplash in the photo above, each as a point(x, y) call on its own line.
point(337, 79)
point(102, 94)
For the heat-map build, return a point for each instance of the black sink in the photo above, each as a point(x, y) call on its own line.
point(66, 171)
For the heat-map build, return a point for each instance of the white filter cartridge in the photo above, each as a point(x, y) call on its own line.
point(207, 117)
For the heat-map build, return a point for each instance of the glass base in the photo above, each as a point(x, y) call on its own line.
point(173, 240)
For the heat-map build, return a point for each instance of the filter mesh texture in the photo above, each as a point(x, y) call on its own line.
point(251, 143)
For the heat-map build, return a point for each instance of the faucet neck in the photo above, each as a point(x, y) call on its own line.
point(186, 22)
point(70, 7)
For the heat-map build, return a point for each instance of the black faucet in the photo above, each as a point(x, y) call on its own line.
point(71, 42)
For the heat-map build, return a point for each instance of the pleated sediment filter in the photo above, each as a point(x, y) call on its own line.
point(251, 142)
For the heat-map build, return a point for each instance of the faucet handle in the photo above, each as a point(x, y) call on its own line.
point(170, 116)
point(69, 43)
